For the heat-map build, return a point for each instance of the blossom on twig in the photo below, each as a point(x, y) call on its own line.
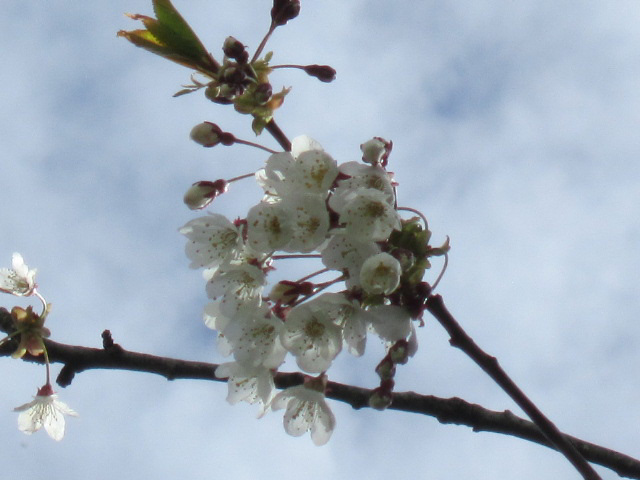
point(18, 280)
point(45, 410)
point(306, 411)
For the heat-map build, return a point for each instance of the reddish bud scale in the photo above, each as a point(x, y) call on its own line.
point(284, 10)
point(324, 73)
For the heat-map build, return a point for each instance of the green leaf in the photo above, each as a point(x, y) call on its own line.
point(171, 37)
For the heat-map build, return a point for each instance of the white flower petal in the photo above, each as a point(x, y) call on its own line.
point(44, 411)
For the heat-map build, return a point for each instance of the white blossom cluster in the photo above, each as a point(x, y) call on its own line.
point(344, 214)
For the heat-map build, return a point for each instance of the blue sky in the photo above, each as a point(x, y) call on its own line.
point(515, 131)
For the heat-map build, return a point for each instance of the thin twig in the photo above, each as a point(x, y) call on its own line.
point(460, 339)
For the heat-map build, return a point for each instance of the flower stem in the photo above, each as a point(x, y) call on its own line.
point(263, 43)
point(46, 363)
point(444, 269)
point(45, 309)
point(257, 145)
point(417, 212)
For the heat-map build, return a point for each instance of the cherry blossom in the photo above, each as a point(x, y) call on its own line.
point(247, 384)
point(269, 226)
point(236, 285)
point(213, 240)
point(368, 216)
point(306, 410)
point(380, 274)
point(312, 337)
point(306, 168)
point(347, 253)
point(254, 337)
point(19, 280)
point(45, 410)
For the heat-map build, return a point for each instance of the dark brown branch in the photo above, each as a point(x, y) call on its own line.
point(490, 365)
point(273, 128)
point(77, 359)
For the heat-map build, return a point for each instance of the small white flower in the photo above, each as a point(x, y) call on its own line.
point(347, 314)
point(254, 337)
point(19, 280)
point(312, 337)
point(348, 253)
point(376, 151)
point(213, 318)
point(368, 216)
point(306, 169)
point(213, 240)
point(216, 320)
point(237, 286)
point(306, 411)
point(361, 177)
point(249, 384)
point(44, 411)
point(380, 274)
point(310, 223)
point(390, 322)
point(269, 226)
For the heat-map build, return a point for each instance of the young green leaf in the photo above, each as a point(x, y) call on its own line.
point(171, 37)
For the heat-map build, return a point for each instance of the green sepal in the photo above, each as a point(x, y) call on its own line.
point(261, 67)
point(414, 275)
point(258, 124)
point(441, 250)
point(412, 237)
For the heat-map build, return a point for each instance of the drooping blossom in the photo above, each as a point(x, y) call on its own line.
point(306, 411)
point(45, 410)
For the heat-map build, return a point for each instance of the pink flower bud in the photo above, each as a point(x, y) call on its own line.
point(201, 194)
point(284, 10)
point(376, 151)
point(324, 73)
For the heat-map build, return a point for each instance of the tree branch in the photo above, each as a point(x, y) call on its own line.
point(275, 131)
point(77, 359)
point(460, 339)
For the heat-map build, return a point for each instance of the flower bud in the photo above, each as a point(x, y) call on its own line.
point(376, 151)
point(232, 48)
point(380, 399)
point(263, 93)
point(284, 10)
point(201, 194)
point(285, 292)
point(380, 274)
point(324, 73)
point(234, 75)
point(218, 94)
point(386, 369)
point(399, 352)
point(209, 134)
point(206, 134)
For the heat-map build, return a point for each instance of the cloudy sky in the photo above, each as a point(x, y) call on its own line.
point(515, 130)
